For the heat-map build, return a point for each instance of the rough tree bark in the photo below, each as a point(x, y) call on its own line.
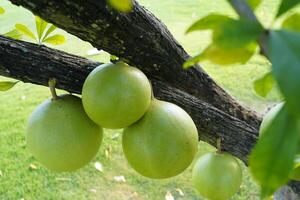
point(36, 64)
point(140, 38)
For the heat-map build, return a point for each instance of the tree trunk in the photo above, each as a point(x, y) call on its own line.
point(141, 39)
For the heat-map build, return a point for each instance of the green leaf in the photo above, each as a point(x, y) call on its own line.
point(40, 26)
point(292, 22)
point(49, 31)
point(25, 30)
point(192, 61)
point(272, 158)
point(284, 53)
point(113, 58)
point(15, 34)
point(211, 21)
point(6, 85)
point(2, 10)
point(222, 56)
point(55, 39)
point(264, 85)
point(121, 5)
point(237, 33)
point(286, 5)
point(254, 3)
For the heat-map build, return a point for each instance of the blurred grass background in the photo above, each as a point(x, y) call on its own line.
point(17, 179)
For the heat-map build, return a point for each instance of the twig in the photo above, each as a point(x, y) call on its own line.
point(244, 11)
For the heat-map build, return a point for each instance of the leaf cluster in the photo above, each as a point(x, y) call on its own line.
point(236, 41)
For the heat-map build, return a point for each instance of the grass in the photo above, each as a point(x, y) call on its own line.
point(18, 181)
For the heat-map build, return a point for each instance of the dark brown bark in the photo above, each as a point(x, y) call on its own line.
point(141, 39)
point(36, 64)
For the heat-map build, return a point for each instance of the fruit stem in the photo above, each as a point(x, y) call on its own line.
point(52, 84)
point(219, 140)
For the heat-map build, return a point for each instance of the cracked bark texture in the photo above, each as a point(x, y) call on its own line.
point(141, 39)
point(35, 64)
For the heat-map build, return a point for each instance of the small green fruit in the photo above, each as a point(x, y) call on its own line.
point(116, 95)
point(217, 176)
point(268, 118)
point(162, 143)
point(61, 136)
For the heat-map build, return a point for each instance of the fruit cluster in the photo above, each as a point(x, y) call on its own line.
point(159, 138)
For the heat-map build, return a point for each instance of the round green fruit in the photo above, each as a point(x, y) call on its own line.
point(61, 136)
point(217, 176)
point(162, 143)
point(268, 118)
point(116, 95)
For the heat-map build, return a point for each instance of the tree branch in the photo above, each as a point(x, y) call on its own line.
point(36, 64)
point(143, 40)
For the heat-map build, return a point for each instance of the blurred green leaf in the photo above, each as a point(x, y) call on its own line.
point(55, 39)
point(286, 5)
point(40, 27)
point(49, 31)
point(113, 58)
point(271, 160)
point(2, 10)
point(254, 3)
point(15, 34)
point(264, 85)
point(25, 30)
point(192, 61)
point(292, 22)
point(284, 52)
point(211, 21)
point(6, 85)
point(121, 5)
point(222, 56)
point(237, 33)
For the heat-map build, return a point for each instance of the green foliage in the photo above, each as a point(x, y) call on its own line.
point(285, 56)
point(292, 22)
point(23, 29)
point(40, 27)
point(49, 31)
point(121, 5)
point(222, 56)
point(2, 10)
point(6, 85)
point(234, 34)
point(286, 5)
point(55, 39)
point(212, 21)
point(43, 32)
point(113, 58)
point(15, 34)
point(254, 3)
point(264, 85)
point(272, 158)
point(234, 40)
